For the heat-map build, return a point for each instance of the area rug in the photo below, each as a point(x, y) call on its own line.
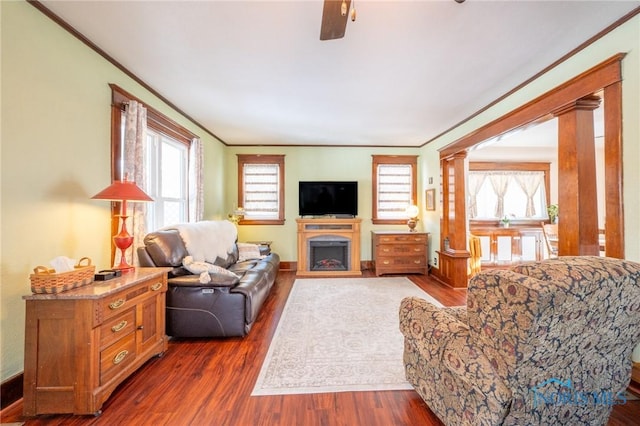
point(338, 335)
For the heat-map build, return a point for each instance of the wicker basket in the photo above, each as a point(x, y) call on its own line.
point(44, 280)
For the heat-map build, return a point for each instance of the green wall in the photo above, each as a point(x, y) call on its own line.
point(55, 136)
point(55, 150)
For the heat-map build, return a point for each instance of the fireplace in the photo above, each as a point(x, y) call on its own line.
point(329, 253)
point(328, 247)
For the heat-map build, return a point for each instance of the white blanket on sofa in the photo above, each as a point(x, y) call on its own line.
point(209, 239)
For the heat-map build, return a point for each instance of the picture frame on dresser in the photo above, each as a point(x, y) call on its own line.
point(430, 199)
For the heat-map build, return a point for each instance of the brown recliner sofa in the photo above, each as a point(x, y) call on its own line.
point(226, 306)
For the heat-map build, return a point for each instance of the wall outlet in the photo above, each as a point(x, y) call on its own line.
point(435, 261)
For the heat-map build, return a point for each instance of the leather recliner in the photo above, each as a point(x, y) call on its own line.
point(226, 306)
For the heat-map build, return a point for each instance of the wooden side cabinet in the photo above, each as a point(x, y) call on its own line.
point(508, 246)
point(81, 344)
point(398, 252)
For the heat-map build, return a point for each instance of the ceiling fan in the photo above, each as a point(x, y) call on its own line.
point(334, 18)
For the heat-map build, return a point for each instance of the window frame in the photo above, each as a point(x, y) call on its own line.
point(156, 176)
point(377, 160)
point(514, 166)
point(278, 159)
point(156, 121)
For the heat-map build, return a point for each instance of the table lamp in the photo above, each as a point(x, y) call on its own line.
point(412, 213)
point(123, 191)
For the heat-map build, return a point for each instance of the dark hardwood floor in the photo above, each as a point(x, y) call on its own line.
point(209, 382)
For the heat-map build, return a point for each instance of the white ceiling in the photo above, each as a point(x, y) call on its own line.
point(256, 72)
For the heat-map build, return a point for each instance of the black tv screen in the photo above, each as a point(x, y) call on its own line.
point(328, 198)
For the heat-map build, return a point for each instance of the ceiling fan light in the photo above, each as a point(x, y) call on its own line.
point(343, 8)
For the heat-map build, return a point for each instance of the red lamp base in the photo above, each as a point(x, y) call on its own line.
point(123, 241)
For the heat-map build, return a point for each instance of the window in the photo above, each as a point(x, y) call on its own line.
point(394, 187)
point(166, 165)
point(261, 188)
point(172, 159)
point(518, 191)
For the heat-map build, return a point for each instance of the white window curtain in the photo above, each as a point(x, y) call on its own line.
point(133, 169)
point(529, 182)
point(196, 190)
point(475, 183)
point(500, 183)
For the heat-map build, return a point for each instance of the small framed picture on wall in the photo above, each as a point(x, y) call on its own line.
point(430, 199)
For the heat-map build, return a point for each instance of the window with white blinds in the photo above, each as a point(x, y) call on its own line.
point(261, 191)
point(260, 188)
point(394, 179)
point(394, 190)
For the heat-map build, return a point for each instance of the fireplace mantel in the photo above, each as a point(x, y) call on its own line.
point(324, 227)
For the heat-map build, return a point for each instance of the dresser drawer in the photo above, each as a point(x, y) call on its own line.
point(402, 239)
point(401, 250)
point(117, 327)
point(400, 262)
point(117, 357)
point(120, 302)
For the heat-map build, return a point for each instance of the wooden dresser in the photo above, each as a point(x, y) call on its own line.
point(399, 252)
point(82, 343)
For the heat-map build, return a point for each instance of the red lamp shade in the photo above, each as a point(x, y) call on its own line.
point(123, 191)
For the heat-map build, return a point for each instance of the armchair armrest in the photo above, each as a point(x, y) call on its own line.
point(441, 338)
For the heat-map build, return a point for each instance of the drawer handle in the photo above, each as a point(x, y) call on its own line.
point(119, 327)
point(386, 250)
point(417, 249)
point(117, 304)
point(417, 262)
point(386, 262)
point(120, 357)
point(156, 287)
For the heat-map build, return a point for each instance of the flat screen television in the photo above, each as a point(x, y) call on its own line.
point(322, 198)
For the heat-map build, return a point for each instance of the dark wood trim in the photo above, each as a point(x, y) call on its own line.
point(564, 58)
point(577, 190)
point(11, 390)
point(71, 30)
point(613, 179)
point(155, 119)
point(377, 160)
point(265, 159)
point(587, 83)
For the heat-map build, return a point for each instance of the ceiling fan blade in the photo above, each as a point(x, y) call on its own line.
point(333, 23)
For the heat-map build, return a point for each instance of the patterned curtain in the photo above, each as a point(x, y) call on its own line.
point(135, 132)
point(475, 183)
point(196, 187)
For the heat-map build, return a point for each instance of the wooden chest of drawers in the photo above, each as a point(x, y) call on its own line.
point(397, 252)
point(80, 344)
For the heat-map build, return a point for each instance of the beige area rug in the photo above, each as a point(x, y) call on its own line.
point(338, 335)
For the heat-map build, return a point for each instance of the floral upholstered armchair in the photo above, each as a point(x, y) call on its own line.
point(545, 343)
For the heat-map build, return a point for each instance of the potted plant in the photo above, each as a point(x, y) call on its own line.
point(552, 211)
point(505, 221)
